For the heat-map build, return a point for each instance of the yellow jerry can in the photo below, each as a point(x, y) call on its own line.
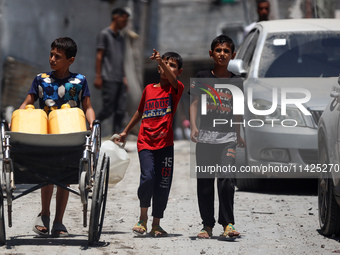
point(29, 120)
point(66, 120)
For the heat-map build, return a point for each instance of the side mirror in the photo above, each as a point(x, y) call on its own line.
point(236, 66)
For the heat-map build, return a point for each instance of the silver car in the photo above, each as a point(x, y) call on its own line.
point(329, 162)
point(289, 67)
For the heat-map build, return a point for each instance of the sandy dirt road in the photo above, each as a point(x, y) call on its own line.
point(281, 220)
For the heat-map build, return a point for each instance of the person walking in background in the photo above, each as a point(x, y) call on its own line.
point(110, 73)
point(155, 140)
point(263, 9)
point(216, 145)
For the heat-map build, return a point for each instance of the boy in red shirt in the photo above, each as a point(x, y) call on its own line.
point(155, 140)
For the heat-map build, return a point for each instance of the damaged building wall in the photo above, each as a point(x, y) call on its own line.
point(29, 26)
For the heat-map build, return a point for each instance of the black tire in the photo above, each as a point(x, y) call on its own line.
point(99, 199)
point(249, 184)
point(243, 183)
point(83, 184)
point(2, 221)
point(9, 197)
point(329, 210)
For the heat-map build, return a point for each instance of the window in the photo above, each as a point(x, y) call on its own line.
point(303, 54)
point(248, 47)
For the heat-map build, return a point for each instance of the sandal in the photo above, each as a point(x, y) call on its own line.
point(59, 230)
point(42, 222)
point(205, 233)
point(230, 231)
point(140, 228)
point(157, 231)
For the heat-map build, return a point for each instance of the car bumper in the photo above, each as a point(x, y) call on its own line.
point(293, 149)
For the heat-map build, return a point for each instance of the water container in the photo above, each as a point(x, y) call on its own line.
point(29, 120)
point(119, 159)
point(66, 120)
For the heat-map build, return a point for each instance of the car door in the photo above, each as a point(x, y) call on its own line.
point(247, 49)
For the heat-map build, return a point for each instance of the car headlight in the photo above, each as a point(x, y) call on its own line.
point(293, 115)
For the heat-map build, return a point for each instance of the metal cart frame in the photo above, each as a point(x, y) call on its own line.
point(60, 159)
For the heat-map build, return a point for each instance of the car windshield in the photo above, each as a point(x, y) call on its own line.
point(303, 54)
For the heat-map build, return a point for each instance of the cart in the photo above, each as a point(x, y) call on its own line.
point(59, 159)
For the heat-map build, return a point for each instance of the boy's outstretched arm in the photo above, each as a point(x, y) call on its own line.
point(172, 78)
point(134, 120)
point(88, 110)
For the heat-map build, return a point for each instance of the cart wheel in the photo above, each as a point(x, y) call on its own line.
point(9, 197)
point(83, 186)
point(99, 199)
point(84, 193)
point(2, 221)
point(84, 215)
point(2, 177)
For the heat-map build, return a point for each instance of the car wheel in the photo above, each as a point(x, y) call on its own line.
point(249, 184)
point(329, 210)
point(246, 181)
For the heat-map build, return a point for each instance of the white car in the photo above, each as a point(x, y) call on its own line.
point(289, 67)
point(329, 160)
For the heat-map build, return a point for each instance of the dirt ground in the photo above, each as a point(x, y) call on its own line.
point(281, 220)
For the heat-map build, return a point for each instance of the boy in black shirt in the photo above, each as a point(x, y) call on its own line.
point(216, 145)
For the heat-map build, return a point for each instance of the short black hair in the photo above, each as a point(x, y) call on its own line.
point(262, 1)
point(174, 56)
point(223, 39)
point(120, 12)
point(66, 44)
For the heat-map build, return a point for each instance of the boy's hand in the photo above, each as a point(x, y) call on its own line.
point(194, 135)
point(240, 142)
point(156, 56)
point(122, 138)
point(125, 82)
point(98, 82)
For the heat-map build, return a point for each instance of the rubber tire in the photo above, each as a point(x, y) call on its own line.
point(99, 197)
point(329, 209)
point(242, 183)
point(9, 198)
point(249, 184)
point(2, 220)
point(83, 184)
